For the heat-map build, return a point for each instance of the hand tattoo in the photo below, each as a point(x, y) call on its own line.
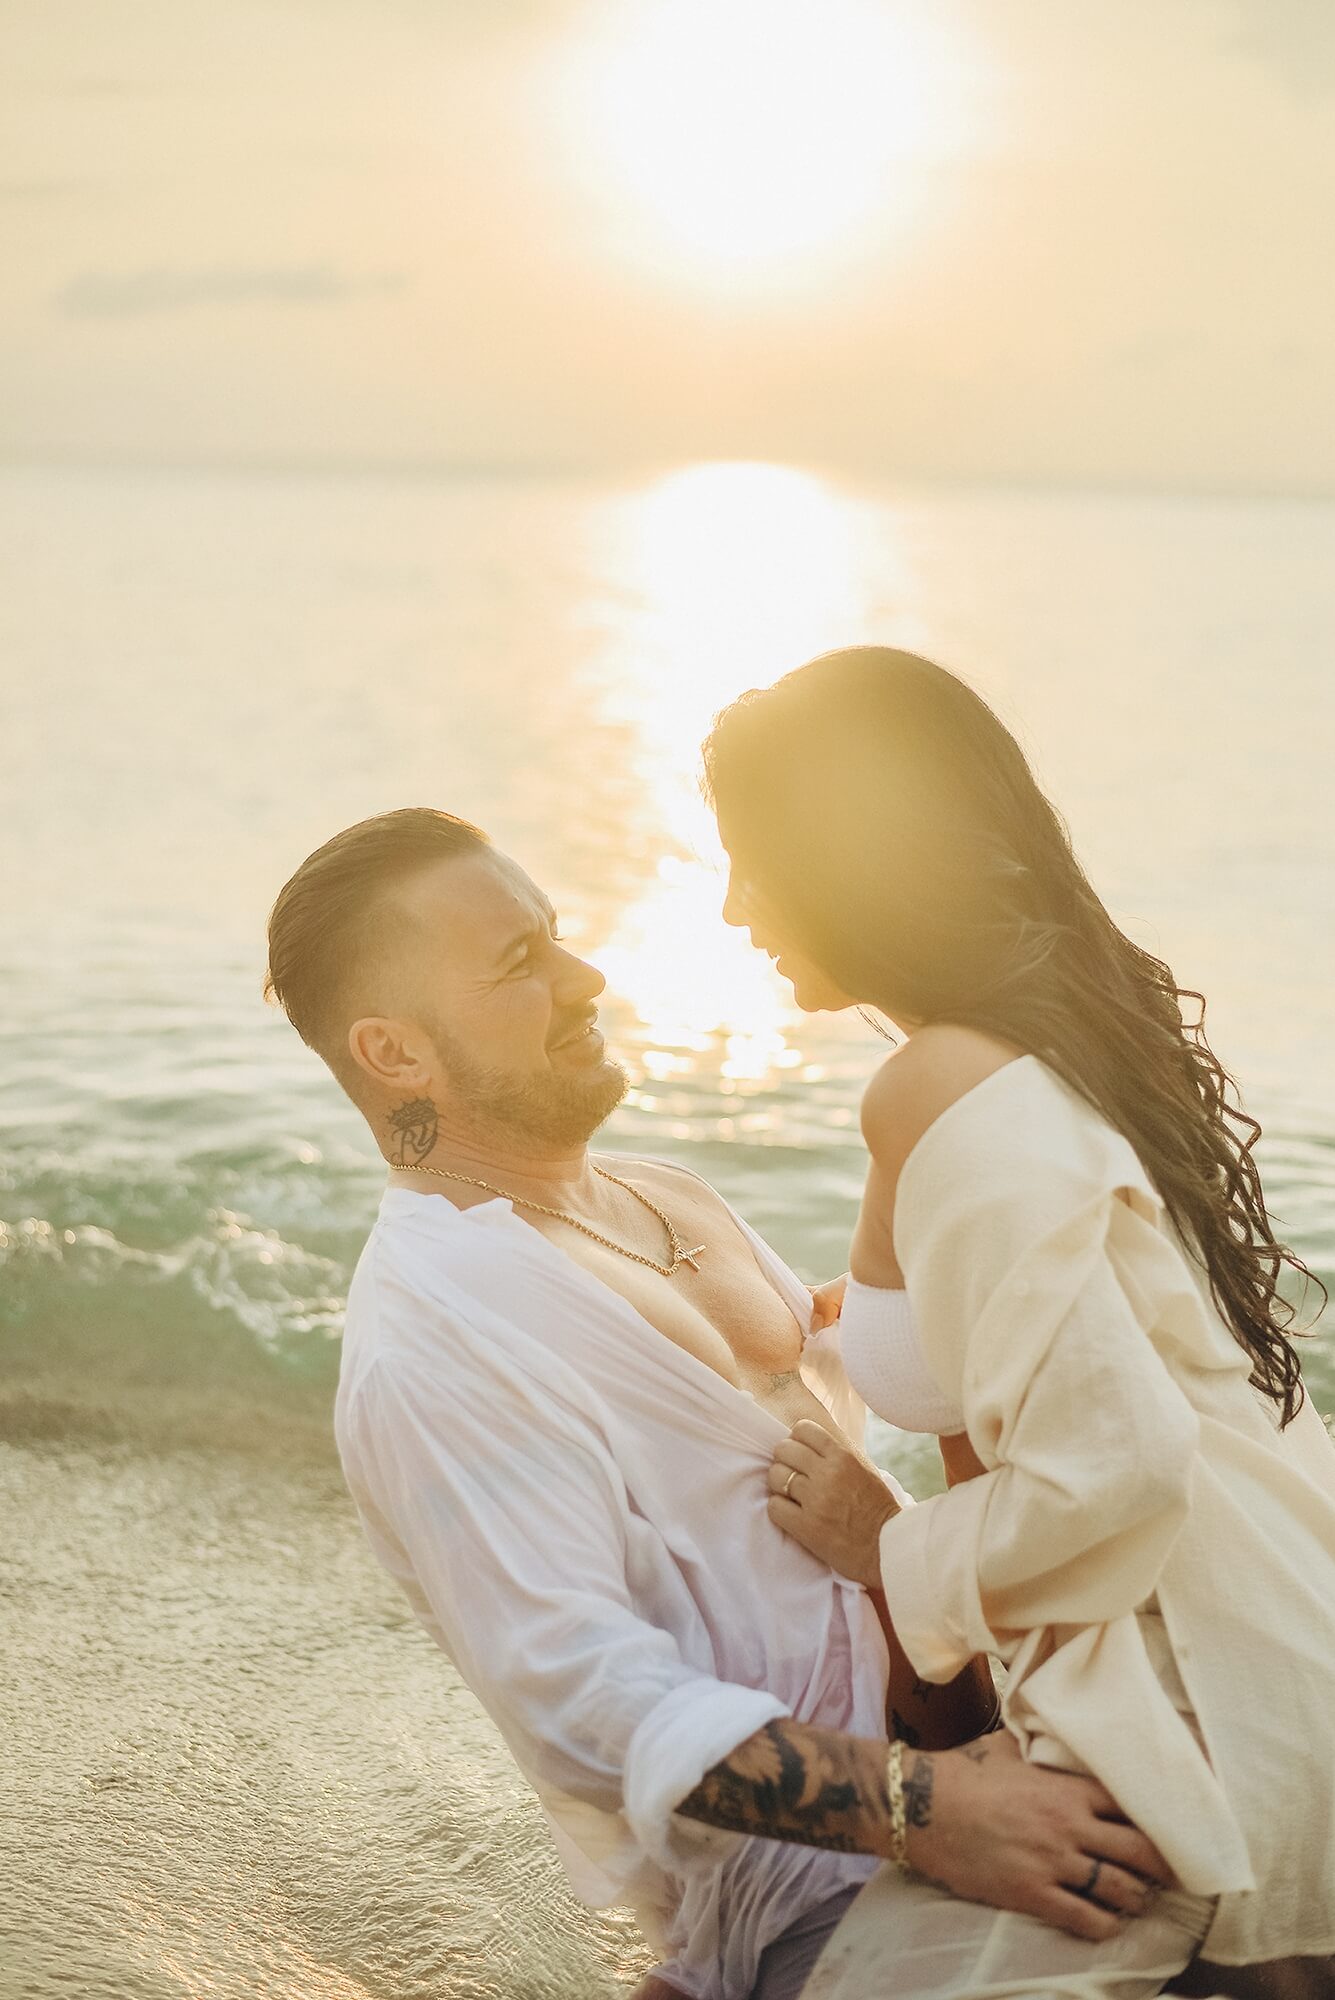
point(413, 1129)
point(793, 1781)
point(918, 1792)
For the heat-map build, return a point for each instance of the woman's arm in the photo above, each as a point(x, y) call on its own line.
point(844, 1503)
point(959, 1460)
point(925, 1716)
point(1089, 1439)
point(1096, 1448)
point(919, 1714)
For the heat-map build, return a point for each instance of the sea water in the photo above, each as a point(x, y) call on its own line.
point(233, 1764)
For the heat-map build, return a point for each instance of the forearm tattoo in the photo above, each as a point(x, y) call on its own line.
point(793, 1781)
point(412, 1131)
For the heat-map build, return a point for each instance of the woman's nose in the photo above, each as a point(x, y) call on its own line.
point(734, 911)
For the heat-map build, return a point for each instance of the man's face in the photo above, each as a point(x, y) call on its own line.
point(509, 1011)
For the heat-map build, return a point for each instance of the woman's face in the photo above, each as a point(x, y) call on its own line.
point(745, 907)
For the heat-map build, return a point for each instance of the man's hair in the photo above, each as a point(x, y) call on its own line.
point(332, 912)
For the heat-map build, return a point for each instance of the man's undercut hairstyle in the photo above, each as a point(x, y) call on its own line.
point(333, 912)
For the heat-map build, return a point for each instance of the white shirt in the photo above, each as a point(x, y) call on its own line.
point(576, 1508)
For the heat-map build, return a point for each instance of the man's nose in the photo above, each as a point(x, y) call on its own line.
point(733, 911)
point(579, 979)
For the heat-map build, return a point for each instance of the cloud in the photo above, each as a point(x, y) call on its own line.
point(38, 190)
point(110, 86)
point(118, 295)
point(1294, 39)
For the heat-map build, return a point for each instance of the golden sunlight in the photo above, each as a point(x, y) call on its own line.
point(742, 571)
point(748, 142)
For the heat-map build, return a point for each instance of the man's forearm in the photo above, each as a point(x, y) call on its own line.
point(795, 1781)
point(979, 1821)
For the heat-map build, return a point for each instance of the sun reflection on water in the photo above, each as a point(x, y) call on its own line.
point(737, 572)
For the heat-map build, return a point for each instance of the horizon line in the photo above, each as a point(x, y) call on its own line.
point(651, 464)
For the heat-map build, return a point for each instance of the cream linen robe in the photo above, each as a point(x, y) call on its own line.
point(1142, 1516)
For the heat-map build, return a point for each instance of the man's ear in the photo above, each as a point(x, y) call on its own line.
point(392, 1053)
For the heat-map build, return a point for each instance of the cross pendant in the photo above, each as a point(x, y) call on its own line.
point(689, 1256)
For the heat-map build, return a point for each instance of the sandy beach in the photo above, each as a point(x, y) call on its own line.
point(234, 1764)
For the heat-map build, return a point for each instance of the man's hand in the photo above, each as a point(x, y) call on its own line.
point(991, 1828)
point(981, 1822)
point(831, 1500)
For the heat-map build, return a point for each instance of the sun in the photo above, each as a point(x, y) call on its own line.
point(747, 142)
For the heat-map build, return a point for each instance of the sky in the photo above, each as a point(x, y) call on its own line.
point(1037, 240)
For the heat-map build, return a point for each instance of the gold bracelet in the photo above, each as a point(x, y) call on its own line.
point(899, 1825)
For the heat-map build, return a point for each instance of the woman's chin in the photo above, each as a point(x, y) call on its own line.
point(812, 999)
point(813, 993)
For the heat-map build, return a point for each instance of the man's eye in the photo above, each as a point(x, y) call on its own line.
point(525, 963)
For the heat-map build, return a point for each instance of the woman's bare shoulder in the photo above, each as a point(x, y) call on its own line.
point(935, 1067)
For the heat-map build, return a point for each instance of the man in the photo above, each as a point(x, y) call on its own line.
point(563, 1381)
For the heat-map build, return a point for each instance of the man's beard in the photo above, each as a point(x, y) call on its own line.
point(543, 1108)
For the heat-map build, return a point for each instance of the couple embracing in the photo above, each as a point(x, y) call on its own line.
point(611, 1447)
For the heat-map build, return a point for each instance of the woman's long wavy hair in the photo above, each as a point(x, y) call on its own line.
point(886, 815)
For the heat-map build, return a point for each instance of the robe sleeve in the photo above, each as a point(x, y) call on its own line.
point(1090, 1442)
point(519, 1539)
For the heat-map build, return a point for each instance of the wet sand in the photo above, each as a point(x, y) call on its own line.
point(233, 1764)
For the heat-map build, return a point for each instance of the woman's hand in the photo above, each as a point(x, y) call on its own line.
point(831, 1500)
point(827, 1302)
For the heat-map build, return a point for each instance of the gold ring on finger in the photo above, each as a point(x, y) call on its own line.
point(788, 1484)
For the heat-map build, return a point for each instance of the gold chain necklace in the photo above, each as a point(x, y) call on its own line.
point(680, 1255)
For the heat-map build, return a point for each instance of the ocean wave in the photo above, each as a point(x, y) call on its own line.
point(230, 1268)
point(231, 1290)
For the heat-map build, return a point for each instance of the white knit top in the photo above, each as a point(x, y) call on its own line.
point(882, 1358)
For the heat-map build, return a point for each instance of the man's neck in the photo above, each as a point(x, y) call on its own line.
point(558, 1177)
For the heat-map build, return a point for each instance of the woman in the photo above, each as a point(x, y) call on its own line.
point(1063, 1266)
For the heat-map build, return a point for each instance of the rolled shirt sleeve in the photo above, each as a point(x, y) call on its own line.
point(521, 1547)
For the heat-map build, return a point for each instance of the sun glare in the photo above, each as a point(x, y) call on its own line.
point(748, 141)
point(742, 571)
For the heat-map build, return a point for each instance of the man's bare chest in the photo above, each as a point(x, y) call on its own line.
point(726, 1314)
